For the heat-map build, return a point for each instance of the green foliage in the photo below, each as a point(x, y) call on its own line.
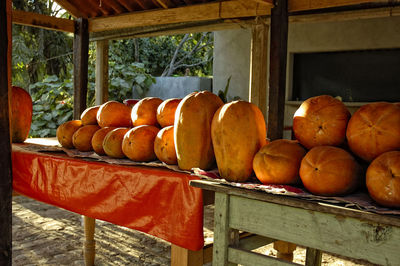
point(53, 105)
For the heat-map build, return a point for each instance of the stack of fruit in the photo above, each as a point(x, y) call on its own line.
point(200, 129)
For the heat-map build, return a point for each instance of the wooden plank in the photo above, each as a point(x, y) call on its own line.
point(81, 56)
point(262, 2)
point(184, 257)
point(245, 257)
point(71, 8)
point(313, 257)
point(258, 65)
point(5, 143)
point(277, 78)
point(42, 21)
point(298, 203)
point(303, 5)
point(201, 12)
point(375, 242)
point(222, 237)
point(101, 90)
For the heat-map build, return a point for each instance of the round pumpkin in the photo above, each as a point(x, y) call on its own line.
point(321, 120)
point(98, 138)
point(192, 130)
point(166, 112)
point(329, 171)
point(238, 131)
point(65, 132)
point(114, 114)
point(383, 179)
point(279, 162)
point(164, 145)
point(112, 143)
point(374, 129)
point(89, 116)
point(82, 138)
point(144, 112)
point(138, 143)
point(21, 114)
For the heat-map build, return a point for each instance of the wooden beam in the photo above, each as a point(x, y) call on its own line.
point(277, 69)
point(263, 2)
point(165, 3)
point(42, 21)
point(81, 56)
point(258, 66)
point(71, 8)
point(101, 91)
point(5, 142)
point(171, 29)
point(193, 13)
point(304, 5)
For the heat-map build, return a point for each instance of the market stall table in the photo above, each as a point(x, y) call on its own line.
point(319, 226)
point(156, 201)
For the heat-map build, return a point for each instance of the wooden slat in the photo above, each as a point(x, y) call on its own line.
point(71, 8)
point(375, 242)
point(262, 2)
point(184, 257)
point(303, 5)
point(277, 78)
point(5, 143)
point(101, 91)
point(203, 12)
point(258, 66)
point(81, 50)
point(244, 257)
point(42, 21)
point(165, 3)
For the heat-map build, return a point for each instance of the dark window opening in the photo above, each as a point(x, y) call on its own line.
point(356, 76)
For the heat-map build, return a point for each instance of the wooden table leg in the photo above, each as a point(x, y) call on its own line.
point(89, 244)
point(184, 257)
point(313, 257)
point(285, 250)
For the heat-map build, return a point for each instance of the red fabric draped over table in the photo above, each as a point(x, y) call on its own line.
point(156, 201)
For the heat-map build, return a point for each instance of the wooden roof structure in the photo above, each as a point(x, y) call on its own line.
point(102, 20)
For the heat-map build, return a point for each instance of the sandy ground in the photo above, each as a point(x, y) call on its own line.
point(47, 235)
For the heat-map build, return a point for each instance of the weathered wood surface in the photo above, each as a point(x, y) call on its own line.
point(81, 56)
point(258, 65)
point(42, 21)
point(5, 143)
point(298, 203)
point(277, 72)
point(248, 258)
point(203, 12)
point(101, 90)
point(375, 242)
point(184, 257)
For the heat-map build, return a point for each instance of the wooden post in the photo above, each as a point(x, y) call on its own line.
point(101, 72)
point(81, 56)
point(5, 142)
point(277, 76)
point(258, 65)
point(184, 257)
point(89, 245)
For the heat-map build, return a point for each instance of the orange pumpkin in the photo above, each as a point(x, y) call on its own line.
point(238, 131)
point(329, 171)
point(21, 114)
point(114, 114)
point(164, 145)
point(98, 138)
point(112, 143)
point(374, 129)
point(279, 162)
point(321, 120)
point(82, 138)
point(166, 112)
point(192, 130)
point(383, 179)
point(65, 132)
point(138, 143)
point(89, 116)
point(145, 111)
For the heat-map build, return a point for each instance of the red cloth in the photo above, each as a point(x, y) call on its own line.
point(156, 201)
